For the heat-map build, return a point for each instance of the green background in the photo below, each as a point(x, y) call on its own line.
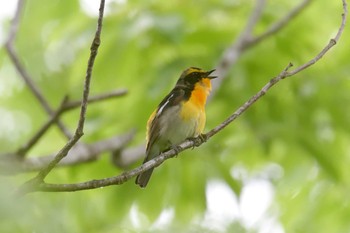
point(294, 142)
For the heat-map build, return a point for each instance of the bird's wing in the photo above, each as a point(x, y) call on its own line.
point(172, 99)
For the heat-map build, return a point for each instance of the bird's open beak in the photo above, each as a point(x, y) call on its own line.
point(208, 74)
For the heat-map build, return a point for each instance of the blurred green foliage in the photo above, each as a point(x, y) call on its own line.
point(296, 137)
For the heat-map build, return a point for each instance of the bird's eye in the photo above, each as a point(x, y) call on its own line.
point(193, 77)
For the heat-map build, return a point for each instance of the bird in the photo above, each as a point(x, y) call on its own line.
point(179, 116)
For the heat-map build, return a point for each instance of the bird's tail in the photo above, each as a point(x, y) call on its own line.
point(143, 178)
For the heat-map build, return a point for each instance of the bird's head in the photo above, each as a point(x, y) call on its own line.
point(195, 76)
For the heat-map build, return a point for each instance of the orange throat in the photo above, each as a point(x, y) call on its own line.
point(200, 92)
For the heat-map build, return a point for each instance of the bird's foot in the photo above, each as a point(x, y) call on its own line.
point(176, 148)
point(197, 141)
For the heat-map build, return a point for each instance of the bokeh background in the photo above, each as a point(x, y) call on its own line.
point(283, 166)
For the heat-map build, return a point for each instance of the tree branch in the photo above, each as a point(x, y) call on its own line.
point(125, 176)
point(105, 96)
point(39, 179)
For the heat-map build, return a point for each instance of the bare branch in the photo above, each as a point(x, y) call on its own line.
point(80, 128)
point(93, 53)
point(252, 21)
point(274, 28)
point(116, 93)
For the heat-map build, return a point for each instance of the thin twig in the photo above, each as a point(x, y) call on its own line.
point(93, 52)
point(23, 72)
point(274, 28)
point(252, 21)
point(39, 179)
point(125, 176)
point(80, 128)
point(109, 95)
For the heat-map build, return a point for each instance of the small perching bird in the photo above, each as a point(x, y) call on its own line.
point(179, 116)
